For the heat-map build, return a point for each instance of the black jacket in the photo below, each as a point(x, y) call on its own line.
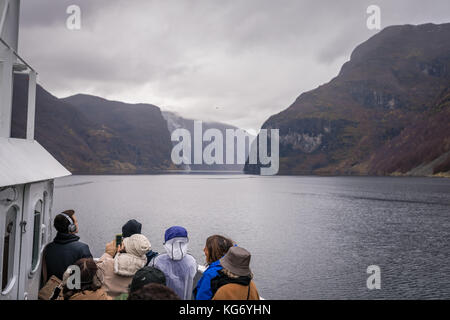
point(222, 280)
point(64, 251)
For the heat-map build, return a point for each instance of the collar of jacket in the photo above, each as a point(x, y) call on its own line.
point(64, 238)
point(151, 254)
point(222, 280)
point(214, 265)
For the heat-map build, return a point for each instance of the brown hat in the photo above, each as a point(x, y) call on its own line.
point(237, 261)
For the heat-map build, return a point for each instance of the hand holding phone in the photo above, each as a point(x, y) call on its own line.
point(119, 239)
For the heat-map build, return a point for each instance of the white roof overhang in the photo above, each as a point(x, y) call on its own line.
point(25, 161)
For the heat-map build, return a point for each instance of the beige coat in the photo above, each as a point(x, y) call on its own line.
point(98, 294)
point(233, 291)
point(119, 271)
point(113, 283)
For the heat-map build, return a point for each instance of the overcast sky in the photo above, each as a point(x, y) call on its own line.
point(234, 61)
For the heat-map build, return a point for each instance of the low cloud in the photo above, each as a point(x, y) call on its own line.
point(230, 61)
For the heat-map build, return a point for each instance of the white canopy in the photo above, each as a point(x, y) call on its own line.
point(24, 161)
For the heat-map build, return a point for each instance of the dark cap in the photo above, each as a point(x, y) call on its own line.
point(130, 228)
point(237, 261)
point(175, 232)
point(145, 276)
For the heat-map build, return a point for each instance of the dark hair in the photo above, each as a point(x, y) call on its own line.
point(88, 278)
point(217, 246)
point(131, 227)
point(145, 276)
point(154, 291)
point(61, 223)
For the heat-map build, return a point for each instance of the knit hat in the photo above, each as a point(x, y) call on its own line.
point(130, 228)
point(137, 245)
point(145, 276)
point(175, 232)
point(237, 261)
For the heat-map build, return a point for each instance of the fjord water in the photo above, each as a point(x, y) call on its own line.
point(310, 237)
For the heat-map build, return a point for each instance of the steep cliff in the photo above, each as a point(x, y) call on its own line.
point(91, 135)
point(385, 113)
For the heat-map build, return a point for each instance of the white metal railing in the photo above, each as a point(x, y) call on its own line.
point(3, 18)
point(17, 55)
point(32, 83)
point(10, 286)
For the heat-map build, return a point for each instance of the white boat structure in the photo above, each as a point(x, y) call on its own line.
point(27, 172)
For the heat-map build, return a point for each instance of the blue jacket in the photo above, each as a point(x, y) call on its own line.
point(203, 289)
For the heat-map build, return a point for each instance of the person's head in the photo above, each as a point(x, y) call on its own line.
point(145, 276)
point(175, 232)
point(66, 222)
point(137, 245)
point(154, 291)
point(236, 263)
point(176, 242)
point(216, 247)
point(130, 228)
point(89, 279)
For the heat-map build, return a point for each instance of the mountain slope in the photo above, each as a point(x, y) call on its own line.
point(385, 94)
point(422, 148)
point(90, 135)
point(136, 135)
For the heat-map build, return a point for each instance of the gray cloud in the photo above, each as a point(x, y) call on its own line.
point(231, 61)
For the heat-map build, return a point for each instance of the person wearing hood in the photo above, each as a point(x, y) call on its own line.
point(65, 249)
point(215, 248)
point(135, 227)
point(234, 281)
point(120, 264)
point(178, 266)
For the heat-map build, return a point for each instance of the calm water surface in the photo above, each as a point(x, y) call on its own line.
point(310, 237)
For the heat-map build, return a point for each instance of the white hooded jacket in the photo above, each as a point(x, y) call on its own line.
point(119, 271)
point(126, 264)
point(178, 266)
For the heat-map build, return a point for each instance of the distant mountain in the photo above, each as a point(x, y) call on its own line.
point(91, 135)
point(135, 134)
point(387, 112)
point(175, 121)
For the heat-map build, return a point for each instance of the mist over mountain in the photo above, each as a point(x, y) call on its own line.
point(386, 113)
point(175, 121)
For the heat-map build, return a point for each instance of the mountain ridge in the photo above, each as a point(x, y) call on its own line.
point(87, 140)
point(391, 81)
point(89, 134)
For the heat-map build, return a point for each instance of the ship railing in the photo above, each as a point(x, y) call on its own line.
point(19, 66)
